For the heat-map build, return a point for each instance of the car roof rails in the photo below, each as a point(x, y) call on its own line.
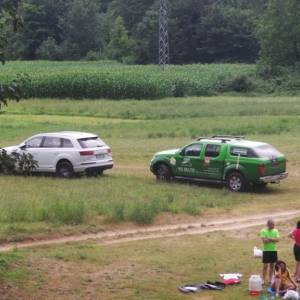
point(229, 137)
point(223, 138)
point(203, 138)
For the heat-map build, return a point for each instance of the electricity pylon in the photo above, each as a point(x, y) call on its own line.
point(163, 35)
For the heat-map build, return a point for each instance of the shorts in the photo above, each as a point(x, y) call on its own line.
point(297, 252)
point(269, 257)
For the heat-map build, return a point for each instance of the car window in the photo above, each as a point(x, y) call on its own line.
point(92, 142)
point(212, 150)
point(34, 142)
point(192, 150)
point(67, 143)
point(266, 151)
point(52, 142)
point(240, 151)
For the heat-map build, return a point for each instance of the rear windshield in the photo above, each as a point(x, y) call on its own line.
point(91, 142)
point(266, 151)
point(243, 152)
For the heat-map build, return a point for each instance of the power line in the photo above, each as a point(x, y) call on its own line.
point(163, 35)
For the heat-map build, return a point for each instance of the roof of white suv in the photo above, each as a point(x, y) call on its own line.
point(69, 134)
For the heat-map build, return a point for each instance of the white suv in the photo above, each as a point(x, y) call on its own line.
point(67, 153)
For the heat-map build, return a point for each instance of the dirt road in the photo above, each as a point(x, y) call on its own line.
point(156, 232)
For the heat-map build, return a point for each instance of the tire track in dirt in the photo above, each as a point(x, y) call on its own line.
point(156, 232)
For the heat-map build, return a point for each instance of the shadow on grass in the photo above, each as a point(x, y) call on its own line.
point(264, 190)
point(213, 185)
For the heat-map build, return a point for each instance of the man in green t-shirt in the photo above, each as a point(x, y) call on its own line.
point(270, 236)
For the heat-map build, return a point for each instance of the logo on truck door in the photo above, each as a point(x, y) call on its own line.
point(186, 162)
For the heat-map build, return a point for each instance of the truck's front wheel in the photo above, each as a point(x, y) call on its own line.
point(163, 173)
point(236, 182)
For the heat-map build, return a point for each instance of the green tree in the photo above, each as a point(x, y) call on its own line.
point(199, 31)
point(49, 50)
point(146, 37)
point(8, 17)
point(184, 18)
point(131, 11)
point(82, 29)
point(120, 46)
point(227, 33)
point(41, 21)
point(279, 33)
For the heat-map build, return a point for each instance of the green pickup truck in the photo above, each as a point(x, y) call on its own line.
point(232, 160)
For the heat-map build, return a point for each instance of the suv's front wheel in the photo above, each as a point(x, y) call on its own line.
point(236, 182)
point(65, 169)
point(163, 173)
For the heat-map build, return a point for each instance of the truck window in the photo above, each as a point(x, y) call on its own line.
point(192, 150)
point(212, 150)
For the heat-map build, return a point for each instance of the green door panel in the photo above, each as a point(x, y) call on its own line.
point(189, 162)
point(213, 161)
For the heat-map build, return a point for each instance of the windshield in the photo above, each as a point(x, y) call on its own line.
point(266, 151)
point(91, 142)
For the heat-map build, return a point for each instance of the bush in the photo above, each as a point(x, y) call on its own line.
point(49, 50)
point(142, 212)
point(7, 163)
point(93, 56)
point(116, 211)
point(191, 207)
point(240, 83)
point(22, 163)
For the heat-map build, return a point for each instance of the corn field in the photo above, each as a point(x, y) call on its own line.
point(115, 81)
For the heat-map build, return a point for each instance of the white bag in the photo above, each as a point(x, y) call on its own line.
point(291, 295)
point(257, 252)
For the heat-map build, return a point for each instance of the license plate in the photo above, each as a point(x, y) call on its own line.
point(100, 156)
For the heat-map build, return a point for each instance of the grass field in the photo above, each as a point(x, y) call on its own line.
point(151, 269)
point(116, 81)
point(136, 130)
point(35, 207)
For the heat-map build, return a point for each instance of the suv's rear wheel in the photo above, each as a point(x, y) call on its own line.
point(236, 182)
point(163, 173)
point(65, 169)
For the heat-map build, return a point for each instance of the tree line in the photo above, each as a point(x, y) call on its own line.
point(127, 30)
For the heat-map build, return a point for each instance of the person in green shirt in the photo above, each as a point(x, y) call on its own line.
point(269, 236)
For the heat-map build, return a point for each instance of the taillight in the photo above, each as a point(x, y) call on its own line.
point(86, 153)
point(109, 151)
point(261, 169)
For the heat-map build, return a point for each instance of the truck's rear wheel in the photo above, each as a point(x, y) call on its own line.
point(163, 173)
point(236, 182)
